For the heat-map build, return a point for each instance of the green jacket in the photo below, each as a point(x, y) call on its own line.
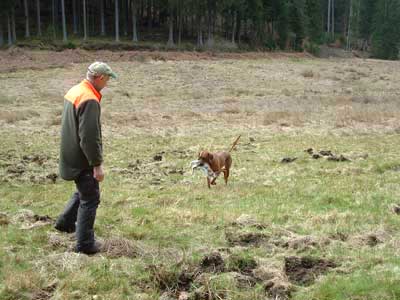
point(81, 141)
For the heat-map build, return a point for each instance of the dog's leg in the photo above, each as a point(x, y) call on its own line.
point(226, 176)
point(208, 183)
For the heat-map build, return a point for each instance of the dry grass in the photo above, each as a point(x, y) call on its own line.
point(347, 116)
point(12, 117)
point(284, 118)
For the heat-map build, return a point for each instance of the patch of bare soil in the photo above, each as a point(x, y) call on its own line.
point(328, 154)
point(254, 239)
point(29, 168)
point(304, 270)
point(212, 263)
point(4, 219)
point(275, 281)
point(395, 208)
point(44, 293)
point(287, 160)
point(15, 59)
point(193, 281)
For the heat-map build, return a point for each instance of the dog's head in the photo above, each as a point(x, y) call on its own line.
point(205, 157)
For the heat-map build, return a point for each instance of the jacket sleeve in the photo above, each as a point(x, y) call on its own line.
point(90, 132)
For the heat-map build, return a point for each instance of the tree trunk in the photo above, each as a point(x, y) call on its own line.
point(180, 26)
point(124, 17)
point(199, 32)
point(348, 46)
point(102, 22)
point(150, 15)
point(26, 14)
point(53, 9)
point(328, 23)
point(333, 18)
point(85, 33)
point(64, 22)
point(74, 17)
point(239, 27)
point(210, 38)
point(10, 41)
point(234, 21)
point(39, 27)
point(170, 42)
point(1, 35)
point(134, 22)
point(116, 21)
point(14, 32)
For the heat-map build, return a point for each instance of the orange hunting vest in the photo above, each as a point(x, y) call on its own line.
point(82, 92)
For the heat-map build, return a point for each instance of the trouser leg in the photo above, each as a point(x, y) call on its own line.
point(66, 221)
point(89, 194)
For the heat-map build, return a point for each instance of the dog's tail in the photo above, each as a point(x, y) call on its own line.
point(235, 143)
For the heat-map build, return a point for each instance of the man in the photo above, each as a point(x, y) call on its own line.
point(81, 155)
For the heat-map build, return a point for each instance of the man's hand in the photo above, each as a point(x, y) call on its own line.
point(98, 173)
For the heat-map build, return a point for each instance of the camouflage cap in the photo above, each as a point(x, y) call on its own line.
point(100, 68)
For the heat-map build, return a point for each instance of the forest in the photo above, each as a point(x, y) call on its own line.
point(295, 25)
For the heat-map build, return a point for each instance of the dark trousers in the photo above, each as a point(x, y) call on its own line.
point(81, 209)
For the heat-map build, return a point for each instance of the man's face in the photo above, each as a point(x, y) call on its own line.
point(101, 81)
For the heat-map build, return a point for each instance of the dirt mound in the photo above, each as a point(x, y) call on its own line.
point(371, 239)
point(44, 293)
point(245, 238)
point(278, 289)
point(242, 264)
point(119, 247)
point(248, 221)
point(4, 219)
point(395, 208)
point(304, 270)
point(328, 154)
point(275, 281)
point(170, 278)
point(212, 263)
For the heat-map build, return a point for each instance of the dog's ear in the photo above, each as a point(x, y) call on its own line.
point(210, 157)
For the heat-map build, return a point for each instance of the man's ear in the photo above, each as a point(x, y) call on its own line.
point(210, 156)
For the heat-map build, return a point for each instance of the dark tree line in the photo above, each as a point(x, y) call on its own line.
point(272, 24)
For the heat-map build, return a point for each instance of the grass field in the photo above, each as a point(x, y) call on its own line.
point(316, 227)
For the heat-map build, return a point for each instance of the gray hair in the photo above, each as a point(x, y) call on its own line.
point(90, 76)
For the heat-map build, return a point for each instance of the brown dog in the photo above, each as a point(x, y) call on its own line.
point(219, 162)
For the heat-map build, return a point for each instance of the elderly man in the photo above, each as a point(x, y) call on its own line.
point(81, 156)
